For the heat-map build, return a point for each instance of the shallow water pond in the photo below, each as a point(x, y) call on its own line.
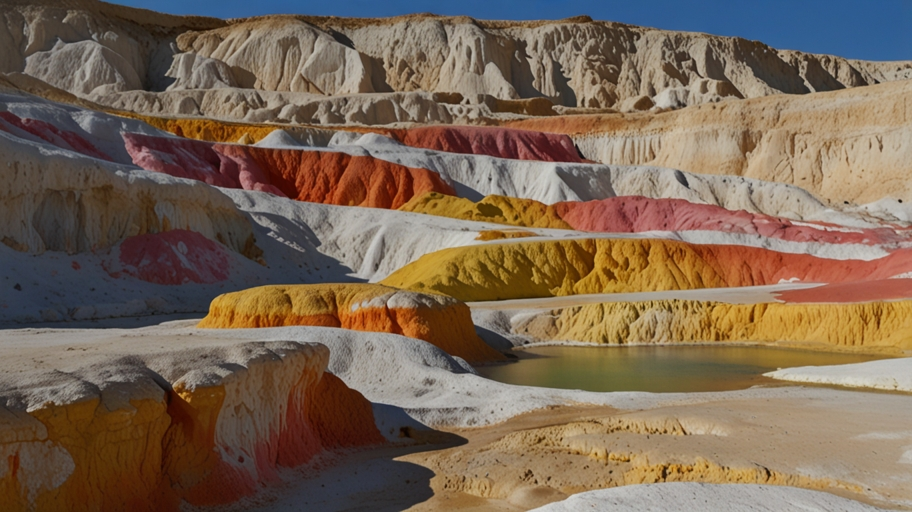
point(659, 369)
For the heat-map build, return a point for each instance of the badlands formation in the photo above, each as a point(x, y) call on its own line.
point(256, 264)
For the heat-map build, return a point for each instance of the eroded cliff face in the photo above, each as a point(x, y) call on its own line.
point(126, 57)
point(205, 426)
point(105, 215)
point(574, 63)
point(90, 46)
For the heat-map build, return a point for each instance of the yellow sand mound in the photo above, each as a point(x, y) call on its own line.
point(516, 270)
point(437, 319)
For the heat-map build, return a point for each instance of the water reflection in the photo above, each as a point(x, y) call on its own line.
point(659, 369)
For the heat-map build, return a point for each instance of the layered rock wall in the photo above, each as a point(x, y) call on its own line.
point(637, 214)
point(310, 176)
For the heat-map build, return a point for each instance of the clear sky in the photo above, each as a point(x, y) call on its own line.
point(860, 29)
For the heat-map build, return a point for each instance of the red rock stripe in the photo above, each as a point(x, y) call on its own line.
point(633, 214)
point(492, 141)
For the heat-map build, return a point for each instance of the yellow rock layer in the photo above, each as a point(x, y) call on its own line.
point(498, 209)
point(212, 130)
point(206, 129)
point(874, 327)
point(506, 234)
point(84, 456)
point(555, 268)
point(439, 320)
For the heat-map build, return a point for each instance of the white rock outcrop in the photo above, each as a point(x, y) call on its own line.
point(94, 49)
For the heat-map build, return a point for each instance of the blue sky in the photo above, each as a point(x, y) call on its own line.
point(871, 29)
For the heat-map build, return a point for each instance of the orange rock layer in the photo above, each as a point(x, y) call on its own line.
point(442, 321)
point(311, 176)
point(338, 178)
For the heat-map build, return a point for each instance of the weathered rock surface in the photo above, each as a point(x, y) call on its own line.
point(637, 214)
point(496, 142)
point(189, 164)
point(575, 62)
point(66, 202)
